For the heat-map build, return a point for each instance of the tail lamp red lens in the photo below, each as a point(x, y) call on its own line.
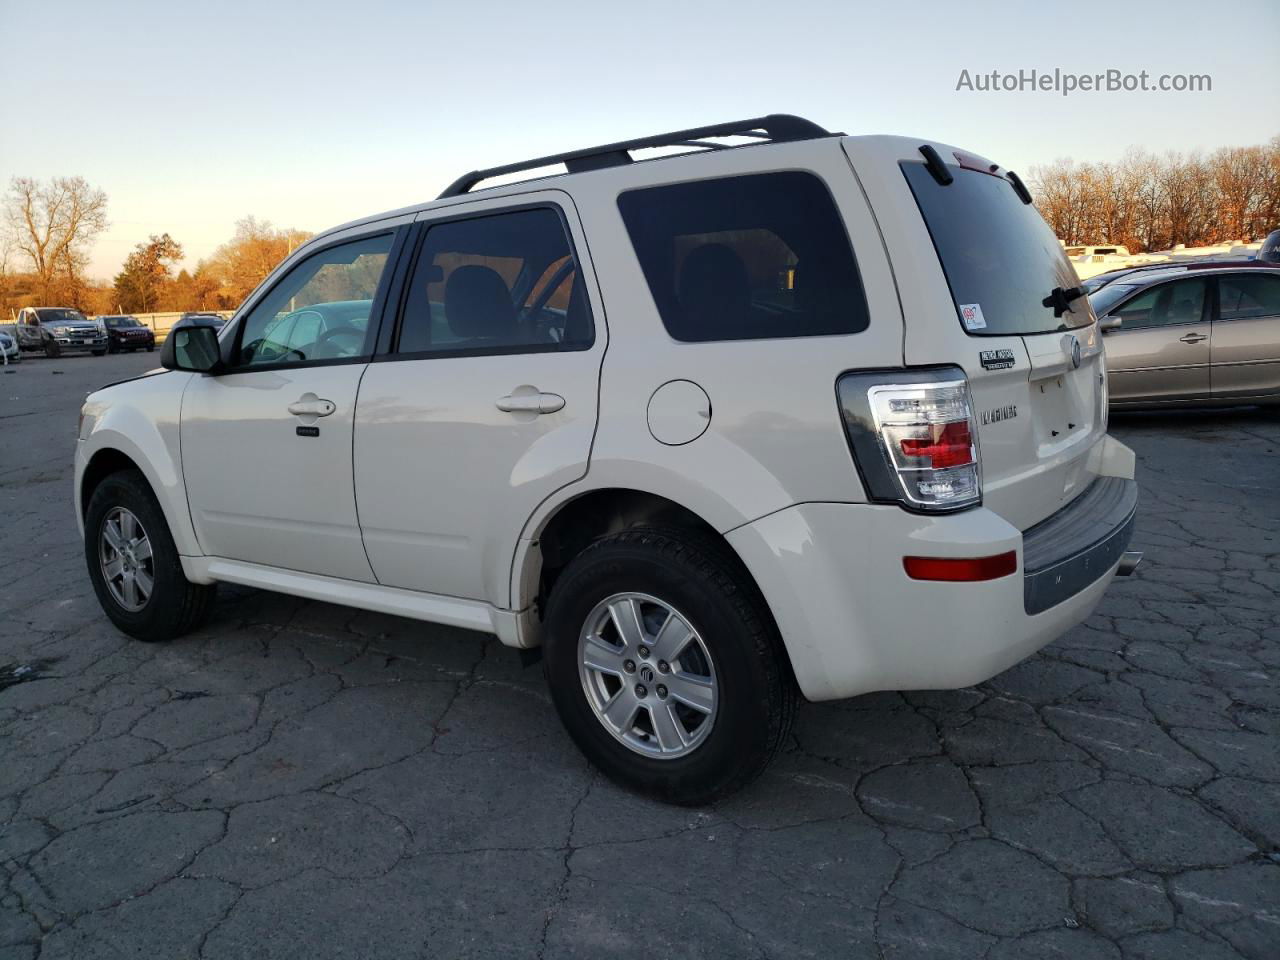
point(950, 446)
point(961, 569)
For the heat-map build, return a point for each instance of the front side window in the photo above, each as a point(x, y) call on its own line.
point(746, 258)
point(320, 310)
point(501, 283)
point(1179, 301)
point(1244, 296)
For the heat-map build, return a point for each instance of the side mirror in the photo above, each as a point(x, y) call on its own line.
point(191, 348)
point(1108, 323)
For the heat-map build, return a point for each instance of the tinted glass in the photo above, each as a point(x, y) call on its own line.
point(997, 252)
point(320, 310)
point(502, 283)
point(1179, 301)
point(1110, 294)
point(746, 258)
point(1242, 296)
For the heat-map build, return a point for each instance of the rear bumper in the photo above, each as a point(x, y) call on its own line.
point(1069, 550)
point(854, 622)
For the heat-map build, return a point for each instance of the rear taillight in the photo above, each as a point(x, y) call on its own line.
point(914, 437)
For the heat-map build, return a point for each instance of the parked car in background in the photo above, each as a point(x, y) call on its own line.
point(126, 333)
point(215, 320)
point(9, 349)
point(849, 435)
point(1210, 334)
point(1269, 252)
point(55, 330)
point(1094, 284)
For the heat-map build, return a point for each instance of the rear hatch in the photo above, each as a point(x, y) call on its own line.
point(974, 266)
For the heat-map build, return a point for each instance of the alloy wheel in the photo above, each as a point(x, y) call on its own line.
point(124, 552)
point(648, 675)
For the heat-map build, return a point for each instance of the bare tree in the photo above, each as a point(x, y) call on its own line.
point(53, 224)
point(1149, 203)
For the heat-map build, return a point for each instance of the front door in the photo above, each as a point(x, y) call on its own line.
point(486, 402)
point(1161, 350)
point(1246, 336)
point(266, 444)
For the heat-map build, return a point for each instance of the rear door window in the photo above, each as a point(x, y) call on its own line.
point(746, 258)
point(1244, 296)
point(499, 283)
point(998, 254)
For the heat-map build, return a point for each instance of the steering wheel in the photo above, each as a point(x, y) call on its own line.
point(344, 331)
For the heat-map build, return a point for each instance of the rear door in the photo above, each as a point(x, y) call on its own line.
point(1161, 349)
point(485, 401)
point(1246, 335)
point(974, 265)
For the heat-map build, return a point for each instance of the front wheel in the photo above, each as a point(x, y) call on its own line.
point(134, 563)
point(52, 350)
point(665, 665)
point(98, 353)
point(151, 349)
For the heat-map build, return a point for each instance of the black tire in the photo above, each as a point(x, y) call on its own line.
point(151, 349)
point(176, 605)
point(704, 581)
point(112, 347)
point(98, 353)
point(52, 350)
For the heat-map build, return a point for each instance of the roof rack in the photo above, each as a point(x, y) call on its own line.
point(775, 128)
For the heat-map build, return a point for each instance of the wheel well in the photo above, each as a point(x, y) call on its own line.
point(602, 512)
point(102, 465)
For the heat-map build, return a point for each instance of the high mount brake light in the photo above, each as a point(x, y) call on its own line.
point(914, 437)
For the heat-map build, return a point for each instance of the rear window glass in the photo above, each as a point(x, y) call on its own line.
point(997, 252)
point(746, 258)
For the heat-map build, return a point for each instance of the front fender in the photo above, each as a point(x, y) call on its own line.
point(140, 419)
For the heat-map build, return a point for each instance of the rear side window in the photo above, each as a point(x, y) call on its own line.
point(1241, 296)
point(501, 283)
point(746, 258)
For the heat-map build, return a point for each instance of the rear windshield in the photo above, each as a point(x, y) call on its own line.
point(1000, 257)
point(746, 258)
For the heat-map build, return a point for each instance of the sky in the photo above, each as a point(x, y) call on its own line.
point(308, 114)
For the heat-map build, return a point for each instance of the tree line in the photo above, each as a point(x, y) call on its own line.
point(47, 229)
point(1149, 202)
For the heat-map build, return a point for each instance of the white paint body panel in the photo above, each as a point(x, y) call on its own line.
point(258, 492)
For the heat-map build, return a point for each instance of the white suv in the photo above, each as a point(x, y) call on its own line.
point(815, 414)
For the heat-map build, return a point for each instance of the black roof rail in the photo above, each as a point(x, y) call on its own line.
point(776, 128)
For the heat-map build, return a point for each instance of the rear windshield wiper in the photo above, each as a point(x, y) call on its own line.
point(1060, 299)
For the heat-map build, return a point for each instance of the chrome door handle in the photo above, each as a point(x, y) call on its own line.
point(312, 408)
point(1193, 338)
point(531, 403)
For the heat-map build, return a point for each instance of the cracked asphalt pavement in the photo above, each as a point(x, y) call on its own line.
point(305, 780)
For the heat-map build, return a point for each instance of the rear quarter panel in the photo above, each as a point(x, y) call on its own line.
point(775, 436)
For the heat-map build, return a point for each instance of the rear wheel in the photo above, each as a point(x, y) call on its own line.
point(134, 563)
point(665, 666)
